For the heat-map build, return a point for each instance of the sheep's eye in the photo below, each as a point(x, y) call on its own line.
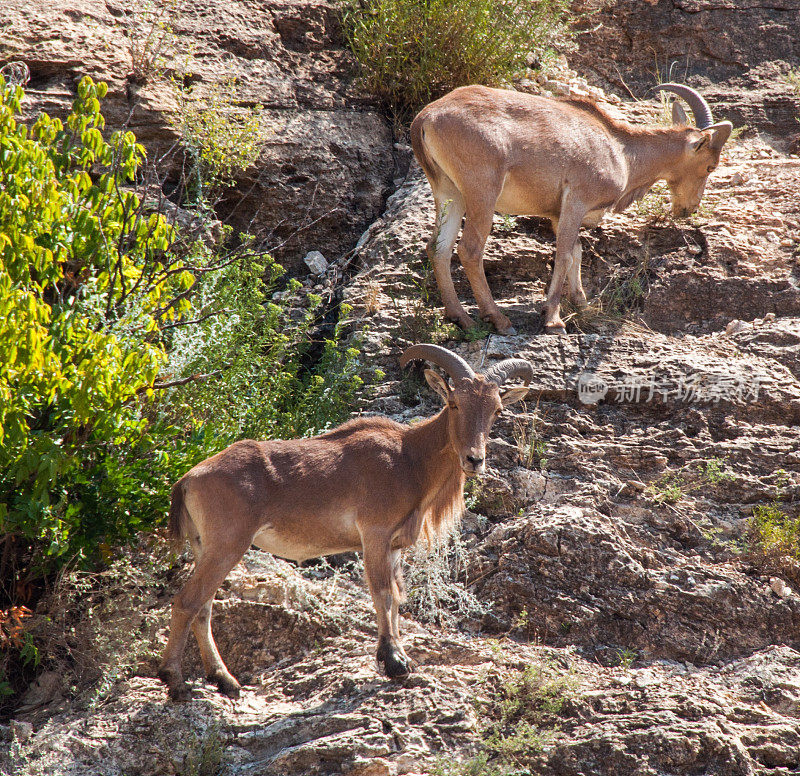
point(712, 168)
point(452, 406)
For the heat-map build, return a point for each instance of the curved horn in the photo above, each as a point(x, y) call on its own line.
point(508, 369)
point(700, 109)
point(454, 365)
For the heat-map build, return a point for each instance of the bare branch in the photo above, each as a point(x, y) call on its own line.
point(194, 320)
point(182, 381)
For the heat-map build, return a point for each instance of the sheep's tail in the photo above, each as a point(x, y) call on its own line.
point(429, 167)
point(177, 511)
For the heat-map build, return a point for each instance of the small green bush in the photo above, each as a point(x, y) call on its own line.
point(221, 138)
point(412, 51)
point(520, 716)
point(80, 307)
point(97, 299)
point(773, 541)
point(524, 710)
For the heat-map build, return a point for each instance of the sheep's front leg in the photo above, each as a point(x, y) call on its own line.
point(379, 568)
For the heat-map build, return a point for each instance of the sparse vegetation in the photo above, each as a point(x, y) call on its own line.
point(507, 224)
point(667, 490)
point(655, 205)
point(521, 714)
point(530, 445)
point(773, 541)
point(626, 657)
point(436, 592)
point(473, 491)
point(151, 37)
point(481, 330)
point(714, 471)
point(522, 706)
point(411, 52)
point(425, 321)
point(205, 755)
point(672, 487)
point(221, 138)
point(622, 297)
point(103, 624)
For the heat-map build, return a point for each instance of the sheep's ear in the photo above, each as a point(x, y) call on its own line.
point(438, 383)
point(679, 116)
point(513, 395)
point(720, 132)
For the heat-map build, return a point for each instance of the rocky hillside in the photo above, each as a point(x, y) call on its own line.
point(738, 53)
point(328, 161)
point(599, 611)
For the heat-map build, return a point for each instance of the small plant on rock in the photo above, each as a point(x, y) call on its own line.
point(521, 714)
point(151, 37)
point(507, 224)
point(626, 657)
point(531, 447)
point(205, 755)
point(773, 541)
point(668, 490)
point(222, 138)
point(714, 471)
point(523, 711)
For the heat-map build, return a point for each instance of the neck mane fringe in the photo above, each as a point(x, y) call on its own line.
point(615, 125)
point(446, 507)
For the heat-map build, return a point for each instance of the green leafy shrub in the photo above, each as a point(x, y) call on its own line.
point(221, 139)
point(80, 304)
point(412, 51)
point(273, 377)
point(97, 298)
point(773, 541)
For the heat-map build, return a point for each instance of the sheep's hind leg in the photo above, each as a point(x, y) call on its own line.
point(567, 232)
point(210, 571)
point(470, 251)
point(449, 212)
point(574, 284)
point(216, 670)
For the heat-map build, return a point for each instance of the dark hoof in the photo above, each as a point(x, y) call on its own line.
point(395, 664)
point(178, 689)
point(397, 669)
point(227, 684)
point(464, 323)
point(180, 693)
